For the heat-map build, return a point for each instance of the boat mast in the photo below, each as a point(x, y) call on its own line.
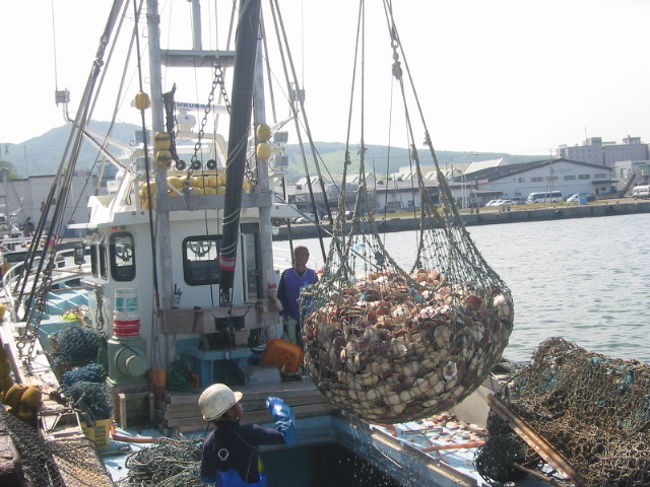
point(163, 267)
point(266, 230)
point(197, 45)
point(241, 108)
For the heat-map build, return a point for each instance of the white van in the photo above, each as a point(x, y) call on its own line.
point(546, 197)
point(641, 192)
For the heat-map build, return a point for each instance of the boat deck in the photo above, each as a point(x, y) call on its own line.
point(61, 434)
point(179, 411)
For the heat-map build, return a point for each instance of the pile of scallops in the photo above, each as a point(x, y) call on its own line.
point(392, 347)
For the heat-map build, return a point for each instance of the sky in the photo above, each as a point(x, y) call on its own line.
point(516, 76)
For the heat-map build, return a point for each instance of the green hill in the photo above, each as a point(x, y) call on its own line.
point(42, 155)
point(383, 160)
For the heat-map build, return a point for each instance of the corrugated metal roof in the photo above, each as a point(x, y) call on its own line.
point(499, 172)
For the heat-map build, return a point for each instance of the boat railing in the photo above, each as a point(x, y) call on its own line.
point(65, 270)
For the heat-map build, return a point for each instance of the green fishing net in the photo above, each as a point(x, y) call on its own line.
point(593, 409)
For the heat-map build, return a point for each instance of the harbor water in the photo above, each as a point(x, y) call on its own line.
point(584, 279)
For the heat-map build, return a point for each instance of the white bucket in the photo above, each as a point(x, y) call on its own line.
point(126, 316)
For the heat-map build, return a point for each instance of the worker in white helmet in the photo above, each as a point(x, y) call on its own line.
point(230, 453)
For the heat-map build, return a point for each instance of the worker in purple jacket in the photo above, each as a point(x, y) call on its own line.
point(230, 453)
point(292, 281)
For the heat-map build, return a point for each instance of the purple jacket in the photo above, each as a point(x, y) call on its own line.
point(289, 289)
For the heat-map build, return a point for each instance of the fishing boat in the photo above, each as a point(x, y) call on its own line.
point(177, 274)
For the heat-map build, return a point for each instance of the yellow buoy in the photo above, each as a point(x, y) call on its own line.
point(264, 151)
point(13, 395)
point(263, 132)
point(151, 186)
point(175, 182)
point(163, 159)
point(144, 195)
point(162, 141)
point(210, 181)
point(142, 101)
point(197, 182)
point(31, 398)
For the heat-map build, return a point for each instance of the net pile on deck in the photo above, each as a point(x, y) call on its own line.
point(169, 463)
point(390, 345)
point(593, 409)
point(56, 463)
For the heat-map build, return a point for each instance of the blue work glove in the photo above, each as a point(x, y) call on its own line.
point(285, 420)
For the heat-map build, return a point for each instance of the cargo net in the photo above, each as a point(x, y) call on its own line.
point(54, 463)
point(594, 410)
point(391, 345)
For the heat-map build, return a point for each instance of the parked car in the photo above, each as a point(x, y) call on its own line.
point(306, 218)
point(505, 203)
point(492, 203)
point(581, 198)
point(574, 198)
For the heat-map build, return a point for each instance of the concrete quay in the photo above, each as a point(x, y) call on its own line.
point(488, 216)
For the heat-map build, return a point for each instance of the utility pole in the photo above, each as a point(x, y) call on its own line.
point(25, 160)
point(551, 178)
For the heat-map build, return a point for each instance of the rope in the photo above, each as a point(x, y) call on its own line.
point(347, 161)
point(286, 59)
point(112, 122)
point(62, 181)
point(56, 76)
point(169, 463)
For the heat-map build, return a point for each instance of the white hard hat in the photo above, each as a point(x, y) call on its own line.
point(216, 400)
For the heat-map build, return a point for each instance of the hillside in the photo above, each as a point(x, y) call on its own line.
point(42, 155)
point(380, 160)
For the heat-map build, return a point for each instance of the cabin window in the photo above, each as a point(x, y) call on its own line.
point(102, 260)
point(94, 261)
point(251, 254)
point(122, 255)
point(201, 259)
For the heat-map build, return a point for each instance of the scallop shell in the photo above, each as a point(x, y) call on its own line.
point(428, 349)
